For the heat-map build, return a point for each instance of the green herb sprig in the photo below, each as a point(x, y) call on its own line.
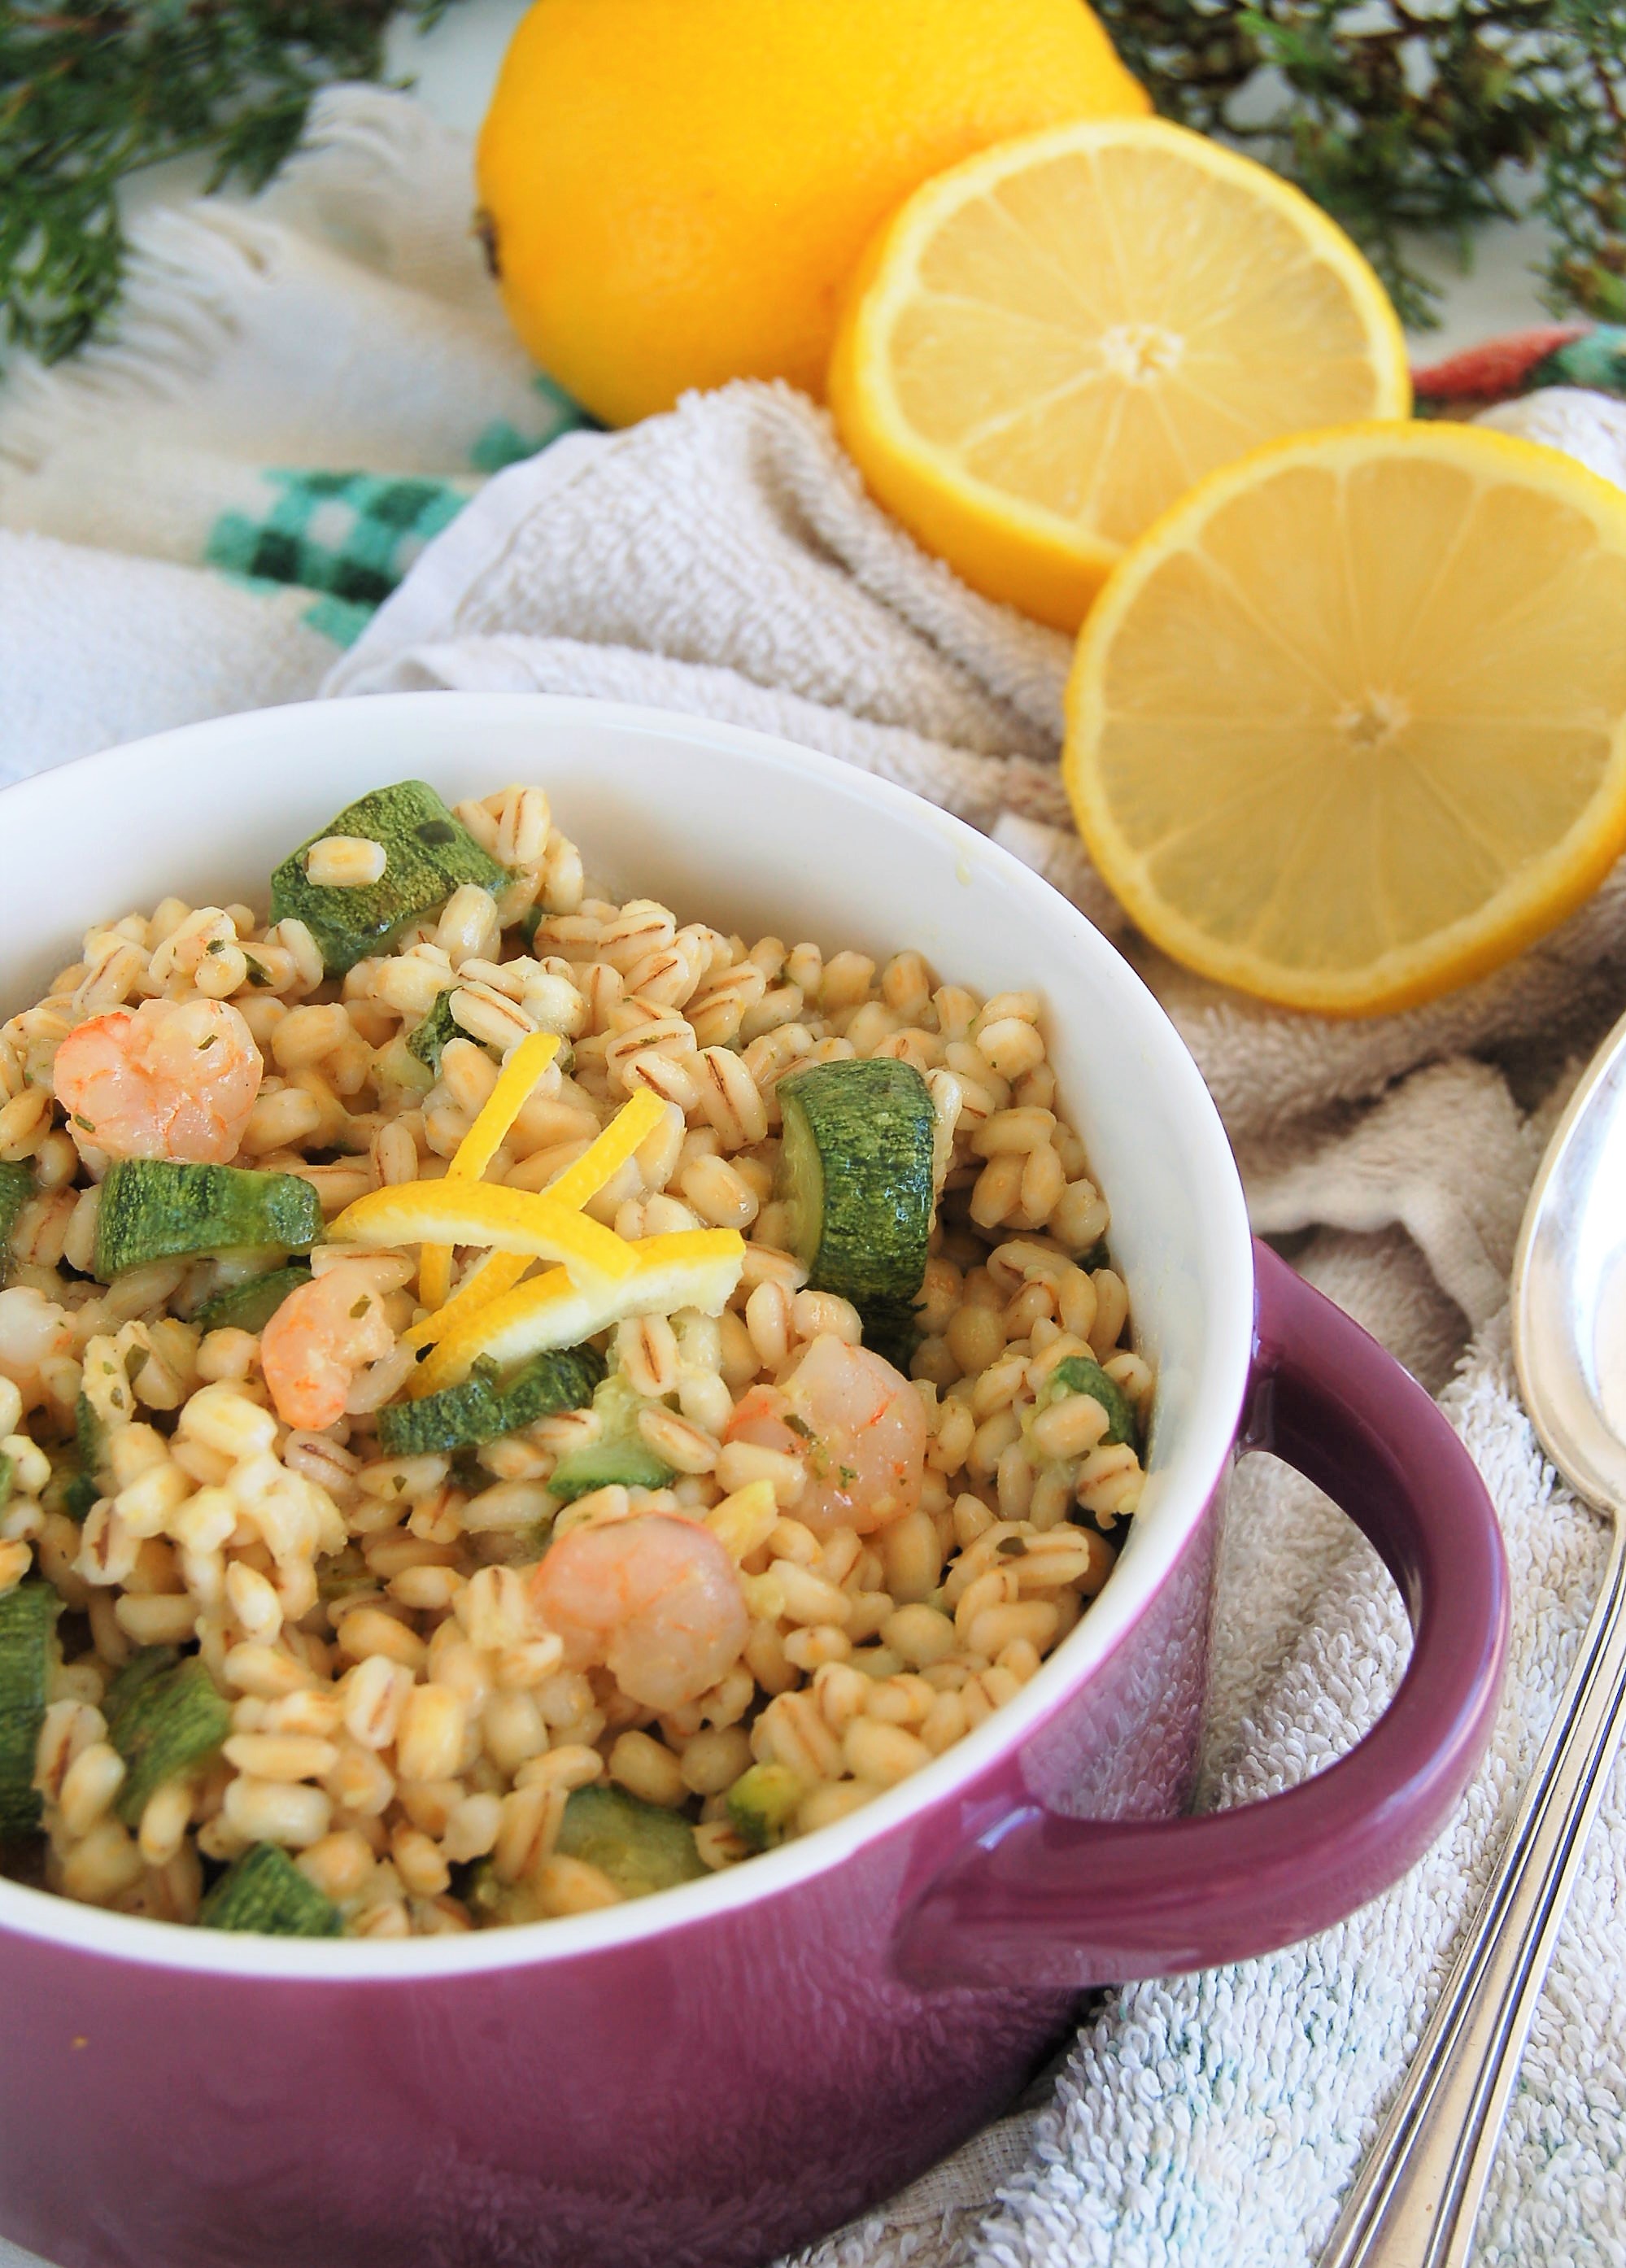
point(1394, 117)
point(92, 91)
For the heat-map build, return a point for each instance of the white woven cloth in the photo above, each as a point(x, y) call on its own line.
point(725, 560)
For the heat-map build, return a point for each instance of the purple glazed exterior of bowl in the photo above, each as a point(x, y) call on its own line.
point(713, 2075)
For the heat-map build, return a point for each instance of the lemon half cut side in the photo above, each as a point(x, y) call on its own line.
point(1346, 727)
point(1054, 340)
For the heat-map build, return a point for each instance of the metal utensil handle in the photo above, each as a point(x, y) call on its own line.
point(1419, 2191)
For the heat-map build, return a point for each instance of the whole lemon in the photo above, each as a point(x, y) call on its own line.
point(674, 192)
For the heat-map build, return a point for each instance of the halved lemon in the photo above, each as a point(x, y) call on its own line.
point(1347, 727)
point(1050, 342)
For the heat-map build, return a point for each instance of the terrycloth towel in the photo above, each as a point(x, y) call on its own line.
point(725, 561)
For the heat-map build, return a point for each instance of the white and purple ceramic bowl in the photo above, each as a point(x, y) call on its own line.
point(705, 2078)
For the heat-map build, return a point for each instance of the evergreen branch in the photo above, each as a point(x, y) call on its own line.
point(1395, 117)
point(92, 91)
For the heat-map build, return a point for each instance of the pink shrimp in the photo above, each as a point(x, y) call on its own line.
point(317, 1342)
point(655, 1599)
point(173, 1078)
point(857, 1425)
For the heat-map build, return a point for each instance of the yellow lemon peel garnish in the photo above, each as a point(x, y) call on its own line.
point(604, 1158)
point(694, 1268)
point(478, 1212)
point(484, 1138)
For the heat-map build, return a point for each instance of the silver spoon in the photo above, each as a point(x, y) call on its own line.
point(1419, 2192)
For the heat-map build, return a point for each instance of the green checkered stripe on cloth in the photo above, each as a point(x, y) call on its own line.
point(350, 537)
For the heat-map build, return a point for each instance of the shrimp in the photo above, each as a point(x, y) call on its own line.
point(317, 1342)
point(655, 1599)
point(173, 1078)
point(858, 1427)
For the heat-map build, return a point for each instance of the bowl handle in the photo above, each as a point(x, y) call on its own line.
point(1032, 1896)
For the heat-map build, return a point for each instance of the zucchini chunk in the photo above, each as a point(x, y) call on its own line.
point(250, 1305)
point(428, 853)
point(16, 1188)
point(618, 1456)
point(485, 1406)
point(8, 1478)
point(90, 1439)
point(761, 1804)
point(164, 1723)
point(638, 1845)
point(28, 1654)
point(428, 1041)
point(856, 1171)
point(154, 1210)
point(264, 1891)
point(1078, 1375)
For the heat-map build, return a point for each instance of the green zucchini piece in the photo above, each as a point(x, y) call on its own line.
point(618, 1455)
point(429, 853)
point(427, 1040)
point(90, 1437)
point(70, 1489)
point(1077, 1374)
point(250, 1305)
point(265, 1892)
point(146, 1663)
point(638, 1845)
point(16, 1188)
point(565, 1380)
point(170, 1722)
point(152, 1209)
point(8, 1478)
point(761, 1804)
point(855, 1171)
point(448, 1420)
point(485, 1406)
point(28, 1654)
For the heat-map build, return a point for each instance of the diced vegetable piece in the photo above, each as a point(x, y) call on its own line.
point(169, 1724)
point(692, 1267)
point(450, 1419)
point(264, 1891)
point(28, 1654)
point(70, 1489)
point(429, 854)
point(483, 1213)
point(16, 1188)
point(638, 1845)
point(90, 1437)
point(856, 1171)
point(485, 1406)
point(1077, 1374)
point(146, 1663)
point(152, 1209)
point(761, 1804)
point(564, 1378)
point(428, 1040)
point(250, 1305)
point(618, 1457)
point(8, 1478)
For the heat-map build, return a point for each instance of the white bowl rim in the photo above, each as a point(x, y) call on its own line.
point(49, 1918)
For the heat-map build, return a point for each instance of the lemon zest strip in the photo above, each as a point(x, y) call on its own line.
point(483, 1213)
point(484, 1138)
